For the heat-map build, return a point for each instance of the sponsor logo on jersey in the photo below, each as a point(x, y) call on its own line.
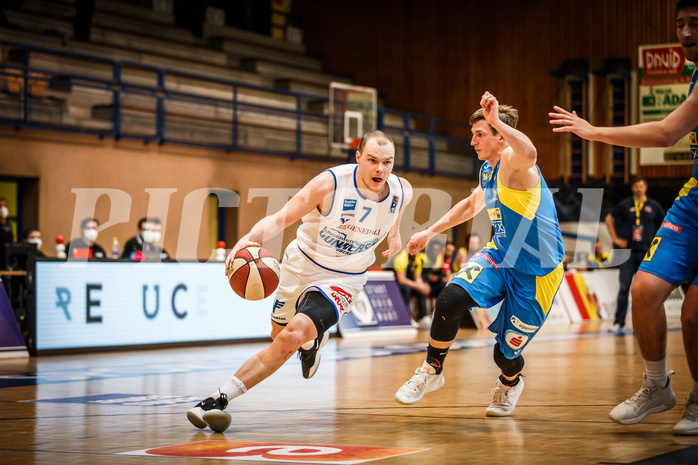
point(672, 226)
point(692, 135)
point(278, 304)
point(341, 298)
point(348, 210)
point(393, 204)
point(470, 271)
point(499, 230)
point(525, 327)
point(489, 259)
point(495, 214)
point(486, 174)
point(360, 230)
point(341, 244)
point(515, 340)
point(349, 204)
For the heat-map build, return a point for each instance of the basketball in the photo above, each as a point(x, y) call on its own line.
point(254, 273)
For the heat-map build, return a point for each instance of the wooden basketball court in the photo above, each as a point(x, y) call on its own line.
point(129, 407)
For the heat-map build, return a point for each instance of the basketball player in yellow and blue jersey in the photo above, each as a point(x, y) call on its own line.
point(671, 259)
point(521, 267)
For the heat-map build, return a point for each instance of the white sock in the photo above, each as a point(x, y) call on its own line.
point(232, 388)
point(656, 371)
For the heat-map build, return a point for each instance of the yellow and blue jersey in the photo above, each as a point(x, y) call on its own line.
point(522, 266)
point(692, 135)
point(526, 229)
point(686, 204)
point(671, 255)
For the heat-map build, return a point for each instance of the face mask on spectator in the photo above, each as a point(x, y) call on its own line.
point(90, 235)
point(35, 240)
point(149, 236)
point(4, 212)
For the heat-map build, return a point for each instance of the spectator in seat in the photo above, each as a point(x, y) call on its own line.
point(85, 245)
point(7, 234)
point(432, 268)
point(599, 259)
point(408, 273)
point(33, 236)
point(146, 245)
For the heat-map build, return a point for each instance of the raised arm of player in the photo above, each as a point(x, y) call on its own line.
point(461, 212)
point(310, 197)
point(664, 133)
point(394, 240)
point(523, 153)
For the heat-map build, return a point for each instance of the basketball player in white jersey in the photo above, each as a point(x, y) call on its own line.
point(346, 211)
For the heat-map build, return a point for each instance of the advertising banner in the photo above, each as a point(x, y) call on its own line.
point(100, 304)
point(379, 308)
point(603, 288)
point(664, 76)
point(83, 305)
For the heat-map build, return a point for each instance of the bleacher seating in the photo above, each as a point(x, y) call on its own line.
point(204, 68)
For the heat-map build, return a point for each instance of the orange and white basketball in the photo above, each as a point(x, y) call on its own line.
point(254, 273)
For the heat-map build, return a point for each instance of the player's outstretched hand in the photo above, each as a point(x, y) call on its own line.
point(570, 122)
point(241, 244)
point(394, 245)
point(418, 241)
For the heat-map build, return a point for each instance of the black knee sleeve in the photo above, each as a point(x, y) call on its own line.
point(450, 306)
point(319, 310)
point(509, 367)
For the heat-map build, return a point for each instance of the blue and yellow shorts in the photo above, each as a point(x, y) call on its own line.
point(526, 299)
point(672, 255)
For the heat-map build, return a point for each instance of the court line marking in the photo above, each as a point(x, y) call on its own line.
point(154, 369)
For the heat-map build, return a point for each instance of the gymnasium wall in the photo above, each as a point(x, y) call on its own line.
point(437, 58)
point(64, 163)
point(434, 58)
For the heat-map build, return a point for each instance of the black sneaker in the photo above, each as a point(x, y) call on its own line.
point(209, 412)
point(310, 358)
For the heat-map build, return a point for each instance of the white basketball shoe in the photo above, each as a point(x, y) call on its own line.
point(504, 399)
point(649, 399)
point(688, 426)
point(424, 380)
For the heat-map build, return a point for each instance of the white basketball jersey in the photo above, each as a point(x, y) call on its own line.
point(344, 238)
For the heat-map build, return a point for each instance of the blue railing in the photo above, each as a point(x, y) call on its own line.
point(130, 100)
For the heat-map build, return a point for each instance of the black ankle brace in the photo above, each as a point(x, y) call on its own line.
point(435, 358)
point(508, 382)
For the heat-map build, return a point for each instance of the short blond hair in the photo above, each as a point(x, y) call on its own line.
point(508, 114)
